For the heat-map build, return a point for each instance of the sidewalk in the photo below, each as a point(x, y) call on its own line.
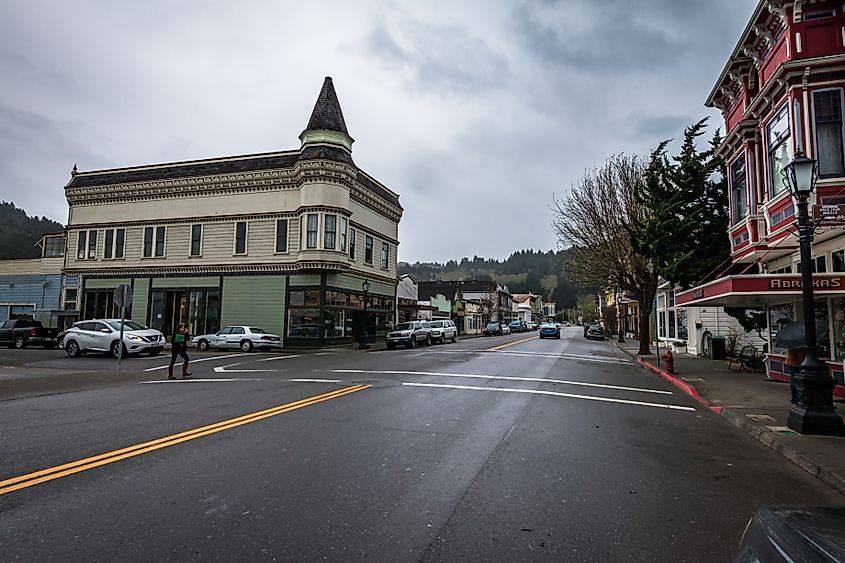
point(755, 404)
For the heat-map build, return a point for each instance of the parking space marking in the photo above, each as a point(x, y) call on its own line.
point(564, 356)
point(551, 393)
point(507, 378)
point(275, 358)
point(192, 380)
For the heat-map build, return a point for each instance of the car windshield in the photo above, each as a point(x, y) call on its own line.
point(257, 330)
point(492, 325)
point(404, 326)
point(127, 325)
point(436, 324)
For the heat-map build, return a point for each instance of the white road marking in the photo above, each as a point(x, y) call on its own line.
point(552, 393)
point(324, 354)
point(192, 380)
point(225, 369)
point(507, 378)
point(275, 358)
point(165, 366)
point(304, 380)
point(514, 353)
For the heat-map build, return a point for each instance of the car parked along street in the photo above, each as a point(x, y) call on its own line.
point(443, 330)
point(244, 338)
point(410, 334)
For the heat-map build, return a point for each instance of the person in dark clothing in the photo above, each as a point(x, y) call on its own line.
point(179, 347)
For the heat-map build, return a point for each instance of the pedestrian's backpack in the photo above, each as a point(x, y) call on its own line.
point(179, 338)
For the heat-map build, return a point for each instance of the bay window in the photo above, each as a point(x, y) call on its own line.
point(827, 117)
point(779, 148)
point(739, 190)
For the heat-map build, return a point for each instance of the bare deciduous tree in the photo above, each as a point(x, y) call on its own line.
point(594, 220)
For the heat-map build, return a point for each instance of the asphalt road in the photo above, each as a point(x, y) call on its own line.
point(497, 449)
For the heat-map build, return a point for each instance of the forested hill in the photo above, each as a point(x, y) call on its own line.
point(19, 232)
point(524, 271)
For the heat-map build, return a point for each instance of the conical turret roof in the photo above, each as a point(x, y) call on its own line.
point(327, 114)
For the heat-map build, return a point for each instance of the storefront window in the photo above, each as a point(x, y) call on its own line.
point(304, 323)
point(334, 323)
point(839, 327)
point(683, 333)
point(823, 347)
point(778, 316)
point(838, 259)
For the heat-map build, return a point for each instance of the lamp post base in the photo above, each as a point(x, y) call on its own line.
point(815, 414)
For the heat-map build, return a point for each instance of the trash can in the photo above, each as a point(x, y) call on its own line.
point(717, 348)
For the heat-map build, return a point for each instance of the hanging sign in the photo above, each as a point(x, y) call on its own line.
point(829, 215)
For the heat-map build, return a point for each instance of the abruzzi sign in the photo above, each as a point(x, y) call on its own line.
point(792, 283)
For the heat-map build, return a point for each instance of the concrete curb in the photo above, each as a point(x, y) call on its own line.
point(765, 437)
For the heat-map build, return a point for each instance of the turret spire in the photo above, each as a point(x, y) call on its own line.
point(327, 124)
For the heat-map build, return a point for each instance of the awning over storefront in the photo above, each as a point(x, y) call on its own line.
point(758, 289)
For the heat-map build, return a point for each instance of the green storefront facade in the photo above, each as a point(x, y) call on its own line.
point(307, 309)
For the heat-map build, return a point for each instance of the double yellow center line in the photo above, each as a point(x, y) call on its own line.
point(514, 343)
point(59, 471)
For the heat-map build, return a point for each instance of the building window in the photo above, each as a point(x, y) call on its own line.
point(154, 241)
point(281, 235)
point(739, 191)
point(54, 246)
point(819, 265)
point(385, 256)
point(780, 149)
point(352, 244)
point(81, 244)
point(92, 245)
point(330, 232)
point(240, 237)
point(113, 243)
point(838, 261)
point(344, 224)
point(368, 249)
point(196, 240)
point(311, 233)
point(70, 298)
point(827, 112)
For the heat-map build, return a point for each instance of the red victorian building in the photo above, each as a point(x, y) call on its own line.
point(781, 90)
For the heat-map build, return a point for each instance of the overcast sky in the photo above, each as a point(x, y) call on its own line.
point(475, 112)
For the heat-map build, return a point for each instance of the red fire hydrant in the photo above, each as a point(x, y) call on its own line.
point(669, 361)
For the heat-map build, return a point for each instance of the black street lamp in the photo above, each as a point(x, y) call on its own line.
point(362, 342)
point(813, 413)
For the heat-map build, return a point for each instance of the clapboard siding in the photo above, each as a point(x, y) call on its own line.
point(254, 301)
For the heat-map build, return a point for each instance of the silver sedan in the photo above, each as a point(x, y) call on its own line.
point(244, 338)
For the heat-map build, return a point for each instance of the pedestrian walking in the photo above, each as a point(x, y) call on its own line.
point(179, 347)
point(794, 359)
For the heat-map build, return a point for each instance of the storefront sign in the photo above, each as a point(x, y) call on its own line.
point(697, 293)
point(829, 215)
point(792, 283)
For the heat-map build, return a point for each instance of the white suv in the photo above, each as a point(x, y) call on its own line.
point(443, 330)
point(410, 334)
point(103, 335)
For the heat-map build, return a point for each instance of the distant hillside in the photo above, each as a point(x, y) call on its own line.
point(19, 232)
point(525, 271)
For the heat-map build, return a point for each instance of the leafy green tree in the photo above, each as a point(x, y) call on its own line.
point(685, 232)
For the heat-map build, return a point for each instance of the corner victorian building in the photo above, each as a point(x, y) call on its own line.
point(781, 91)
point(279, 240)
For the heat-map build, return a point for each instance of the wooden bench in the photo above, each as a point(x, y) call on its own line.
point(748, 358)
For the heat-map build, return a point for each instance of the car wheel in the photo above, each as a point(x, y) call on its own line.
point(202, 346)
point(72, 348)
point(428, 340)
point(114, 349)
point(246, 346)
point(412, 343)
point(454, 338)
point(20, 342)
point(558, 337)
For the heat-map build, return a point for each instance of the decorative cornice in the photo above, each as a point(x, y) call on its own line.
point(175, 270)
point(205, 219)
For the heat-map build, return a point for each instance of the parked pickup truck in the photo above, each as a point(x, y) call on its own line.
point(20, 333)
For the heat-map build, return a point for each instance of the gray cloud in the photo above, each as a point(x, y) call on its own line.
point(475, 112)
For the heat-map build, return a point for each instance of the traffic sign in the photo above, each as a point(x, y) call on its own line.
point(829, 215)
point(123, 295)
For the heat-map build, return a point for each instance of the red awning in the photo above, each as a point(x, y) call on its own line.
point(758, 289)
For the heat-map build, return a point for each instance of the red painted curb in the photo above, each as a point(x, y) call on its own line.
point(681, 384)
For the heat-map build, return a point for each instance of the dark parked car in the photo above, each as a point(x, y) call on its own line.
point(549, 330)
point(493, 329)
point(783, 533)
point(20, 333)
point(595, 332)
point(518, 326)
